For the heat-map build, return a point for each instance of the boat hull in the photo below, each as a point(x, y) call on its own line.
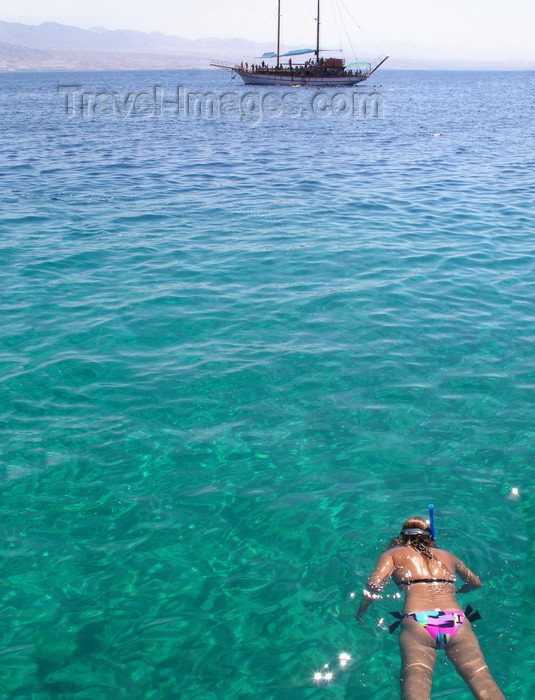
point(287, 79)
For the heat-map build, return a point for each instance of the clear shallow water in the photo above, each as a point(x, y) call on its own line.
point(236, 354)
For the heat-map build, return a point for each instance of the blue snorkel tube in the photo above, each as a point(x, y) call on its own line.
point(432, 520)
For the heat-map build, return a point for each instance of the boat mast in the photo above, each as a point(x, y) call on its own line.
point(318, 34)
point(278, 32)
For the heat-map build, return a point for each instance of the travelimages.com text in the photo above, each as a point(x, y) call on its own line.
point(246, 105)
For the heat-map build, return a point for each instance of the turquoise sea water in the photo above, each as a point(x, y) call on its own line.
point(236, 353)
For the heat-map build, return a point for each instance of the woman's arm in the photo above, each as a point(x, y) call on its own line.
point(472, 582)
point(377, 581)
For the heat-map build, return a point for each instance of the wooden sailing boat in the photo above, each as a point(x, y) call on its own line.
point(323, 72)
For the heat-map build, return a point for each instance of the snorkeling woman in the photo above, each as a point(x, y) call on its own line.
point(432, 618)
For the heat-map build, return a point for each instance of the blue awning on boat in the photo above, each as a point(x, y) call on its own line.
point(295, 52)
point(299, 52)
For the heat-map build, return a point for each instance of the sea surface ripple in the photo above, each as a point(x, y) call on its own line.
point(235, 355)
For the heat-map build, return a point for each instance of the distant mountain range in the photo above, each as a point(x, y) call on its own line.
point(54, 36)
point(53, 46)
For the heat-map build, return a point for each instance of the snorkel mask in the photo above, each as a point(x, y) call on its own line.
point(430, 531)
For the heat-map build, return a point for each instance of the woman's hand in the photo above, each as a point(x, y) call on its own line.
point(472, 582)
point(365, 603)
point(469, 586)
point(360, 613)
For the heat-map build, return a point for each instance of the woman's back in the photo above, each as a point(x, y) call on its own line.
point(428, 583)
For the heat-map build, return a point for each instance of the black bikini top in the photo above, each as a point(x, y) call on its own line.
point(426, 580)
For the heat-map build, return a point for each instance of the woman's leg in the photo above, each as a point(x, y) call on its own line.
point(418, 656)
point(465, 653)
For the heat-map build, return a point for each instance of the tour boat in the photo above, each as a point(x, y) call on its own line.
point(318, 71)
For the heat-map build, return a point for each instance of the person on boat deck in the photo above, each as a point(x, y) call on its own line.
point(432, 618)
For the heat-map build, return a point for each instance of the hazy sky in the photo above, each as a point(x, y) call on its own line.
point(500, 29)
